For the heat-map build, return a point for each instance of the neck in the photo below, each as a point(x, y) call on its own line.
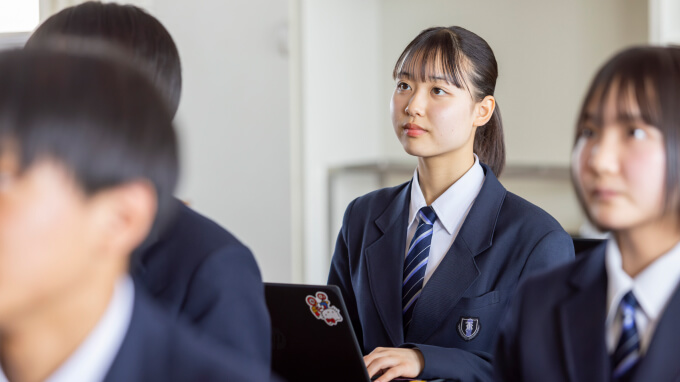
point(33, 346)
point(641, 246)
point(437, 174)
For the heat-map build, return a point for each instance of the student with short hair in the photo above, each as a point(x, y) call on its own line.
point(427, 267)
point(194, 268)
point(88, 164)
point(612, 314)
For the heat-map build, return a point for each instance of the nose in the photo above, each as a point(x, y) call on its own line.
point(605, 153)
point(416, 105)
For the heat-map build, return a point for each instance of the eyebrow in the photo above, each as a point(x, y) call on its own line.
point(431, 78)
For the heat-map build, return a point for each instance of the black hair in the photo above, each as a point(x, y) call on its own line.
point(467, 62)
point(649, 76)
point(149, 43)
point(97, 115)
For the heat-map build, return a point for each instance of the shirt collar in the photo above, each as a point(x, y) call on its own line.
point(453, 204)
point(652, 287)
point(93, 358)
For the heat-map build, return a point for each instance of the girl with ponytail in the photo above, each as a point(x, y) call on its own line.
point(427, 268)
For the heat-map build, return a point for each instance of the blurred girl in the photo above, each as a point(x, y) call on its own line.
point(612, 314)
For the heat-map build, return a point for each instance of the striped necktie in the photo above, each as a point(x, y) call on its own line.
point(416, 263)
point(627, 352)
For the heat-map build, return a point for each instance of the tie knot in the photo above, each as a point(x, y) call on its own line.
point(427, 215)
point(629, 300)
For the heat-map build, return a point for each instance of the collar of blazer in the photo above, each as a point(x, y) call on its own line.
point(155, 249)
point(386, 255)
point(584, 334)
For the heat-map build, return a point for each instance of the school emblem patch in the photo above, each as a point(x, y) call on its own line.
point(321, 308)
point(468, 327)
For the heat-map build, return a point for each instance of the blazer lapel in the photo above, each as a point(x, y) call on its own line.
point(660, 363)
point(385, 264)
point(458, 270)
point(582, 319)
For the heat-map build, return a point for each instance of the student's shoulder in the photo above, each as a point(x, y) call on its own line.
point(188, 223)
point(550, 285)
point(525, 218)
point(375, 202)
point(189, 232)
point(190, 242)
point(159, 348)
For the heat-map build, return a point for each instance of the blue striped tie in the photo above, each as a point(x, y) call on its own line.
point(627, 351)
point(416, 263)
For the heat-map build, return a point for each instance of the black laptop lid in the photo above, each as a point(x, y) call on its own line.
point(312, 336)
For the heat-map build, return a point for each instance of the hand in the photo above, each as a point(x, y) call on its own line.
point(394, 362)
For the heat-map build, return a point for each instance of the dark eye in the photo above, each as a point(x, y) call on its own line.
point(637, 132)
point(438, 91)
point(403, 86)
point(587, 132)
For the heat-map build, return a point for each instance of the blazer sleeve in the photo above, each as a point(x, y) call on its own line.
point(454, 364)
point(505, 357)
point(553, 249)
point(225, 300)
point(340, 274)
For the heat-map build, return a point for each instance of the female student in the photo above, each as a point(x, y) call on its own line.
point(612, 314)
point(426, 268)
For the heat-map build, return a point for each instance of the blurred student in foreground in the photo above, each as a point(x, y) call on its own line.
point(88, 164)
point(612, 314)
point(194, 268)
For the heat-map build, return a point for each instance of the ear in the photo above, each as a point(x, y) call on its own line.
point(125, 215)
point(484, 110)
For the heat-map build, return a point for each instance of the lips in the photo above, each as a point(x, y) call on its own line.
point(605, 194)
point(413, 130)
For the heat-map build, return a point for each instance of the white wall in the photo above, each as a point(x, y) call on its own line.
point(340, 107)
point(663, 21)
point(234, 120)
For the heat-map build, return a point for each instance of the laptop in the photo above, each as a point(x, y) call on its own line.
point(312, 335)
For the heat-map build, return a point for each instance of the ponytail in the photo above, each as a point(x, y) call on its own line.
point(490, 144)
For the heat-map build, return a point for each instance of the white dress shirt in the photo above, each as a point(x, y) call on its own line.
point(451, 208)
point(93, 358)
point(653, 288)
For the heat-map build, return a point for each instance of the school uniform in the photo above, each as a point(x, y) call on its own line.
point(499, 241)
point(564, 325)
point(200, 273)
point(135, 341)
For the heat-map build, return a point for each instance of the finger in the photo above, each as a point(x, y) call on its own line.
point(376, 353)
point(381, 363)
point(390, 374)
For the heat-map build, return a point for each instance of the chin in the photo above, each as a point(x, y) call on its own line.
point(610, 221)
point(414, 151)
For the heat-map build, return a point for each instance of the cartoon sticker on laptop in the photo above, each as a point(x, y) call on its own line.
point(321, 308)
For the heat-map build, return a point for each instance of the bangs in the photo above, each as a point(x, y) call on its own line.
point(432, 56)
point(636, 100)
point(640, 84)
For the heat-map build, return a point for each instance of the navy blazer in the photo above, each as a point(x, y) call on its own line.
point(555, 330)
point(503, 239)
point(158, 348)
point(201, 273)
